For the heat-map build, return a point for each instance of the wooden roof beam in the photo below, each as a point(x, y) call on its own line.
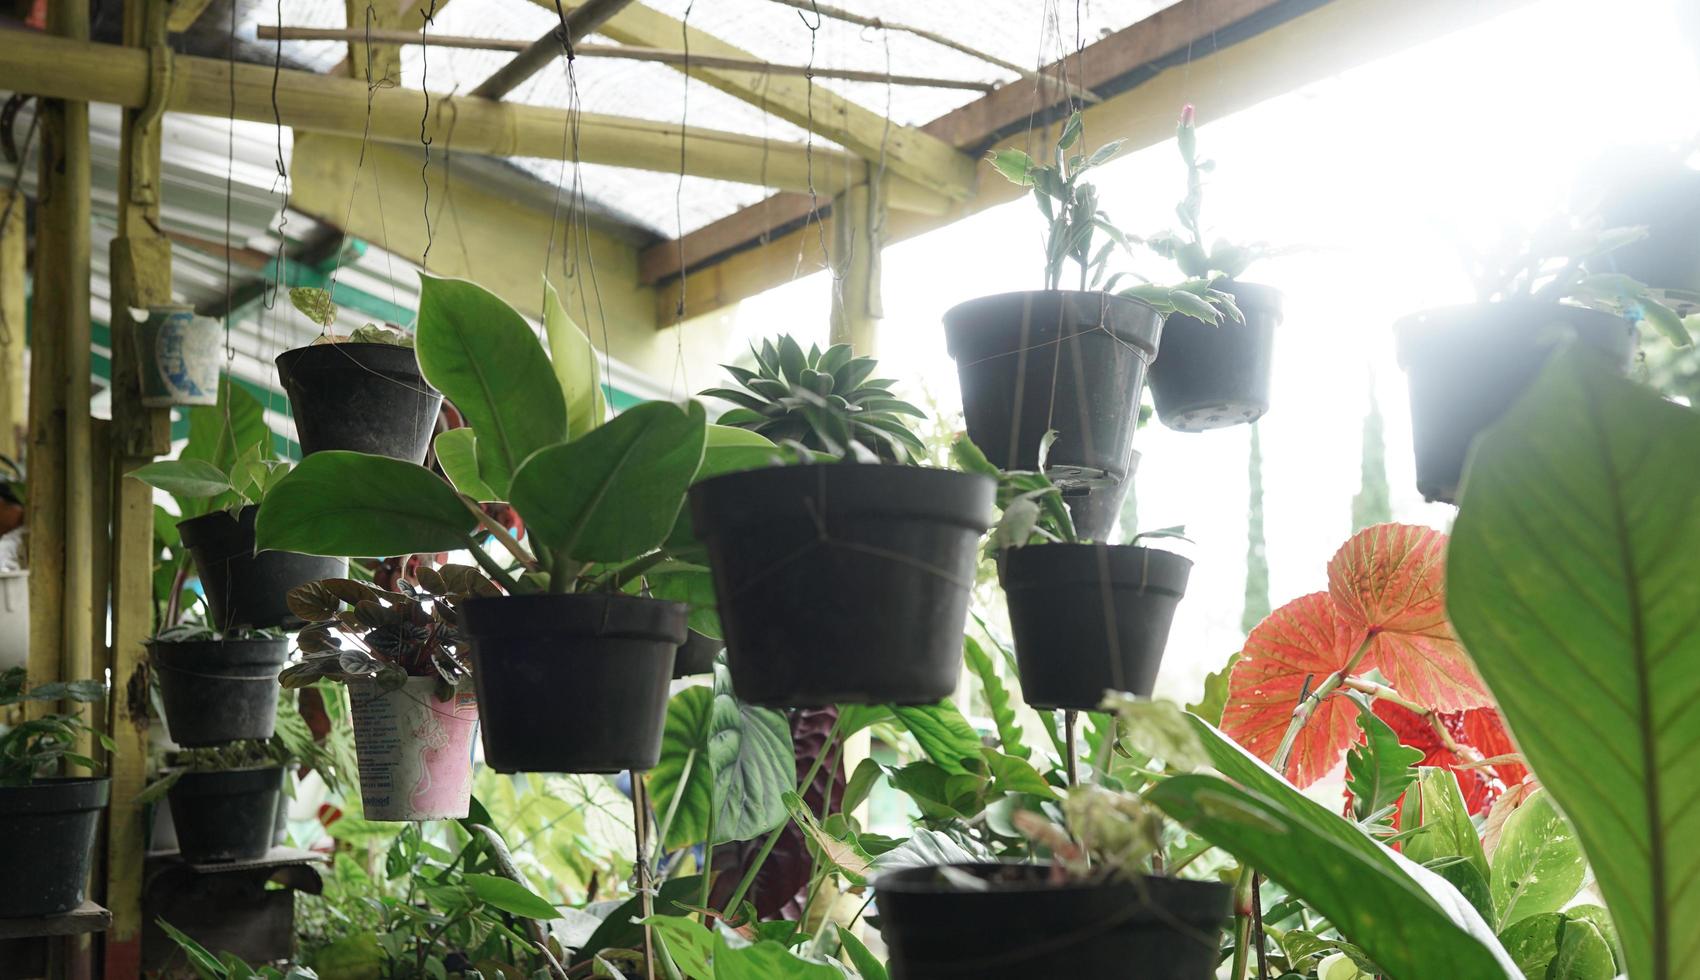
point(52, 67)
point(907, 152)
point(584, 20)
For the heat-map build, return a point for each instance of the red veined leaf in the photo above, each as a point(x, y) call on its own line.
point(1479, 786)
point(1389, 580)
point(1484, 731)
point(1306, 638)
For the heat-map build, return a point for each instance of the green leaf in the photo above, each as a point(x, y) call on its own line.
point(718, 753)
point(1011, 774)
point(1538, 865)
point(726, 449)
point(1070, 132)
point(1379, 769)
point(1403, 916)
point(1665, 320)
point(999, 701)
point(1159, 729)
point(458, 456)
point(510, 896)
point(615, 493)
point(574, 360)
point(689, 944)
point(355, 505)
point(483, 356)
point(692, 585)
point(1443, 822)
point(314, 303)
point(924, 848)
point(620, 930)
point(1555, 946)
point(184, 477)
point(1571, 582)
point(865, 962)
point(1215, 700)
point(1016, 167)
point(738, 959)
point(943, 734)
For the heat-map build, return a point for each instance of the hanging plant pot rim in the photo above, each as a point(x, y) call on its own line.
point(1035, 880)
point(849, 490)
point(1461, 322)
point(1138, 321)
point(244, 652)
point(1131, 567)
point(603, 615)
point(386, 357)
point(57, 795)
point(229, 782)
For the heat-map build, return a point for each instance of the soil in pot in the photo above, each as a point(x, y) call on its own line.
point(573, 683)
point(696, 655)
point(1023, 926)
point(414, 752)
point(368, 398)
point(243, 588)
point(217, 691)
point(47, 837)
point(1209, 376)
point(1089, 618)
point(225, 815)
point(1466, 365)
point(1072, 362)
point(842, 583)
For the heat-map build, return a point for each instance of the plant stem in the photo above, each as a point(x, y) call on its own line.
point(501, 534)
point(640, 834)
point(1307, 704)
point(620, 577)
point(1257, 926)
point(808, 780)
point(1071, 765)
point(1242, 923)
point(1429, 715)
point(490, 567)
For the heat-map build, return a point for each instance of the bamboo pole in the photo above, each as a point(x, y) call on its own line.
point(623, 52)
point(58, 68)
point(581, 21)
point(14, 412)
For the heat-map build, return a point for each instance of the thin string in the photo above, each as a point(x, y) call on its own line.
point(680, 379)
point(430, 18)
point(229, 182)
point(809, 151)
point(269, 289)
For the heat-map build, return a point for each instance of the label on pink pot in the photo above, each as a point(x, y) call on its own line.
point(415, 751)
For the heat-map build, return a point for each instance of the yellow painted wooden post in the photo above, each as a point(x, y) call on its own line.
point(858, 221)
point(14, 413)
point(141, 277)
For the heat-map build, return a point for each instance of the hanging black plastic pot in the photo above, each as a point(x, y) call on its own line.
point(1467, 364)
point(696, 655)
point(244, 588)
point(1089, 618)
point(573, 683)
point(225, 815)
point(1209, 376)
point(1021, 925)
point(1656, 190)
point(1094, 509)
point(842, 583)
point(1069, 362)
point(368, 398)
point(217, 691)
point(47, 837)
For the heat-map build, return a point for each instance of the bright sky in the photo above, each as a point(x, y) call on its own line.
point(1380, 171)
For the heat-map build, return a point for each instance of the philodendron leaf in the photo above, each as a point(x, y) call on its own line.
point(1573, 586)
point(1403, 916)
point(1538, 866)
point(943, 734)
point(575, 365)
point(1379, 769)
point(184, 477)
point(1557, 946)
point(718, 753)
point(351, 504)
point(615, 493)
point(483, 356)
point(457, 454)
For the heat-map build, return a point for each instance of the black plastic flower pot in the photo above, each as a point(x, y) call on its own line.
point(1094, 509)
point(1023, 926)
point(1466, 365)
point(1090, 618)
point(368, 398)
point(47, 837)
point(696, 655)
point(217, 691)
point(1657, 191)
point(243, 588)
point(225, 815)
point(1210, 376)
point(842, 583)
point(573, 683)
point(1068, 362)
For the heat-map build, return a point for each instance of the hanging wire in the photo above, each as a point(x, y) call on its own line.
point(430, 17)
point(269, 287)
point(372, 86)
point(229, 182)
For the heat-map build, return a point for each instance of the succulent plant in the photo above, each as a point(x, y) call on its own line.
point(823, 400)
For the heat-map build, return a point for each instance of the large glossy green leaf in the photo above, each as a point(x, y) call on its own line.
point(722, 755)
point(219, 434)
point(726, 449)
point(1379, 769)
point(575, 365)
point(1557, 946)
point(1538, 864)
point(511, 896)
point(620, 930)
point(943, 734)
point(1406, 918)
point(184, 478)
point(359, 506)
point(457, 454)
point(615, 493)
point(1436, 808)
point(692, 585)
point(1572, 583)
point(483, 356)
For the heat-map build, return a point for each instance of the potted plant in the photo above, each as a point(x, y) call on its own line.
point(1087, 617)
point(1069, 361)
point(572, 668)
point(1467, 364)
point(1097, 907)
point(224, 800)
point(801, 555)
point(217, 687)
point(181, 355)
point(410, 691)
point(243, 586)
point(1212, 374)
point(363, 392)
point(48, 824)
